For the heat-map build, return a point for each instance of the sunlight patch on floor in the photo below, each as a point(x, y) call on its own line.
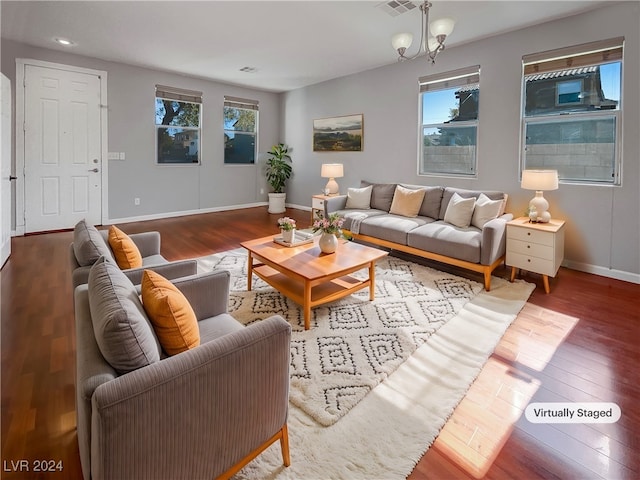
point(483, 421)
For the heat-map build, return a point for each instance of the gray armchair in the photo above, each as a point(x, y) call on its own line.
point(203, 413)
point(89, 244)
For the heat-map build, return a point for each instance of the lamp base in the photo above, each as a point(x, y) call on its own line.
point(538, 209)
point(331, 188)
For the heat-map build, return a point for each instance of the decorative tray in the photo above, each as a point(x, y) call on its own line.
point(300, 238)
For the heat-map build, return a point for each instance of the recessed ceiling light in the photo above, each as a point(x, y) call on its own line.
point(64, 41)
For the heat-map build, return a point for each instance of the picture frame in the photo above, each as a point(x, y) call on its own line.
point(338, 134)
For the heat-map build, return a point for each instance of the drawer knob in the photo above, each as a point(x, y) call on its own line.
point(529, 260)
point(528, 233)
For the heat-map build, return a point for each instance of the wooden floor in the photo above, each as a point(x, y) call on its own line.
point(578, 344)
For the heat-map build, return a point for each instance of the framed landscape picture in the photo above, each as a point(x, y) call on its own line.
point(338, 134)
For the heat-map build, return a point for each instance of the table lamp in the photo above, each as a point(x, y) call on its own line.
point(539, 180)
point(331, 171)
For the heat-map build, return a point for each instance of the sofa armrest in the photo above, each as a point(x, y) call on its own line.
point(170, 271)
point(333, 204)
point(207, 293)
point(216, 402)
point(147, 242)
point(494, 239)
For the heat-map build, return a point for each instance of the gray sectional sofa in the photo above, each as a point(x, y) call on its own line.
point(429, 229)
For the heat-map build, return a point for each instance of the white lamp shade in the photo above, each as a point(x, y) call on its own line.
point(401, 40)
point(442, 26)
point(332, 170)
point(539, 180)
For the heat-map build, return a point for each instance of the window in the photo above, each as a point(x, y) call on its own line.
point(178, 114)
point(240, 130)
point(571, 112)
point(449, 111)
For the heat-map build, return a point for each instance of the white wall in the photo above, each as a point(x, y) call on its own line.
point(603, 223)
point(165, 190)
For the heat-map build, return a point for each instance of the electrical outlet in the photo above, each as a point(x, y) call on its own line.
point(136, 201)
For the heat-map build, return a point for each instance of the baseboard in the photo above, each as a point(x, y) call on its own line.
point(298, 207)
point(603, 271)
point(160, 216)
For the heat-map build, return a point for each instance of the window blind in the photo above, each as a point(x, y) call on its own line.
point(450, 79)
point(179, 94)
point(593, 53)
point(237, 102)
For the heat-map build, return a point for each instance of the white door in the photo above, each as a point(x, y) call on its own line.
point(5, 171)
point(62, 145)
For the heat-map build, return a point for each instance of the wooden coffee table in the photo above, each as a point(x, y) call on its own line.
point(309, 277)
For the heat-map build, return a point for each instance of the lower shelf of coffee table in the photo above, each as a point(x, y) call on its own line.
point(322, 290)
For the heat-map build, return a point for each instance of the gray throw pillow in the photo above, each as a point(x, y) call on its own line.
point(381, 194)
point(88, 244)
point(123, 332)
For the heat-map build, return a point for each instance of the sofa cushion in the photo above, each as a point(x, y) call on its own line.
point(449, 191)
point(393, 228)
point(352, 218)
point(407, 202)
point(445, 239)
point(124, 249)
point(89, 244)
point(485, 210)
point(215, 327)
point(359, 198)
point(432, 199)
point(121, 327)
point(381, 194)
point(460, 211)
point(171, 315)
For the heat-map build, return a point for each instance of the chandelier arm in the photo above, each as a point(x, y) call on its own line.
point(424, 34)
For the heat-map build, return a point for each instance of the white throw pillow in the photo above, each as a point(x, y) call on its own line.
point(359, 198)
point(485, 210)
point(459, 211)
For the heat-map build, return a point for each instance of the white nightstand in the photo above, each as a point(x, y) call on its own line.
point(535, 247)
point(317, 203)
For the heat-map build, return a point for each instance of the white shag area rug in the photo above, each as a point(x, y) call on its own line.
point(384, 432)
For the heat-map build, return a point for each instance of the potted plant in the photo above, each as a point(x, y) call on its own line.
point(278, 172)
point(288, 228)
point(331, 229)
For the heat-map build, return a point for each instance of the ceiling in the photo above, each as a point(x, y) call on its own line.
point(290, 44)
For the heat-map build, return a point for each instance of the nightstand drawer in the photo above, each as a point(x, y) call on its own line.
point(530, 263)
point(317, 203)
point(530, 235)
point(531, 249)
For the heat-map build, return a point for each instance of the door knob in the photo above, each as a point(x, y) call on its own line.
point(11, 177)
point(95, 170)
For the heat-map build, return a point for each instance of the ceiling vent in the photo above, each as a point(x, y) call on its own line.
point(397, 7)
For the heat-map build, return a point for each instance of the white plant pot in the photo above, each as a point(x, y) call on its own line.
point(288, 235)
point(276, 202)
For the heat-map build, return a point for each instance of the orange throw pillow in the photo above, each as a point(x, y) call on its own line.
point(124, 250)
point(171, 315)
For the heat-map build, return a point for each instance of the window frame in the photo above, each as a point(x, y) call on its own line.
point(241, 104)
point(585, 55)
point(467, 76)
point(180, 95)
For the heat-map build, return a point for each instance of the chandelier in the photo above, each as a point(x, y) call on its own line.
point(429, 45)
